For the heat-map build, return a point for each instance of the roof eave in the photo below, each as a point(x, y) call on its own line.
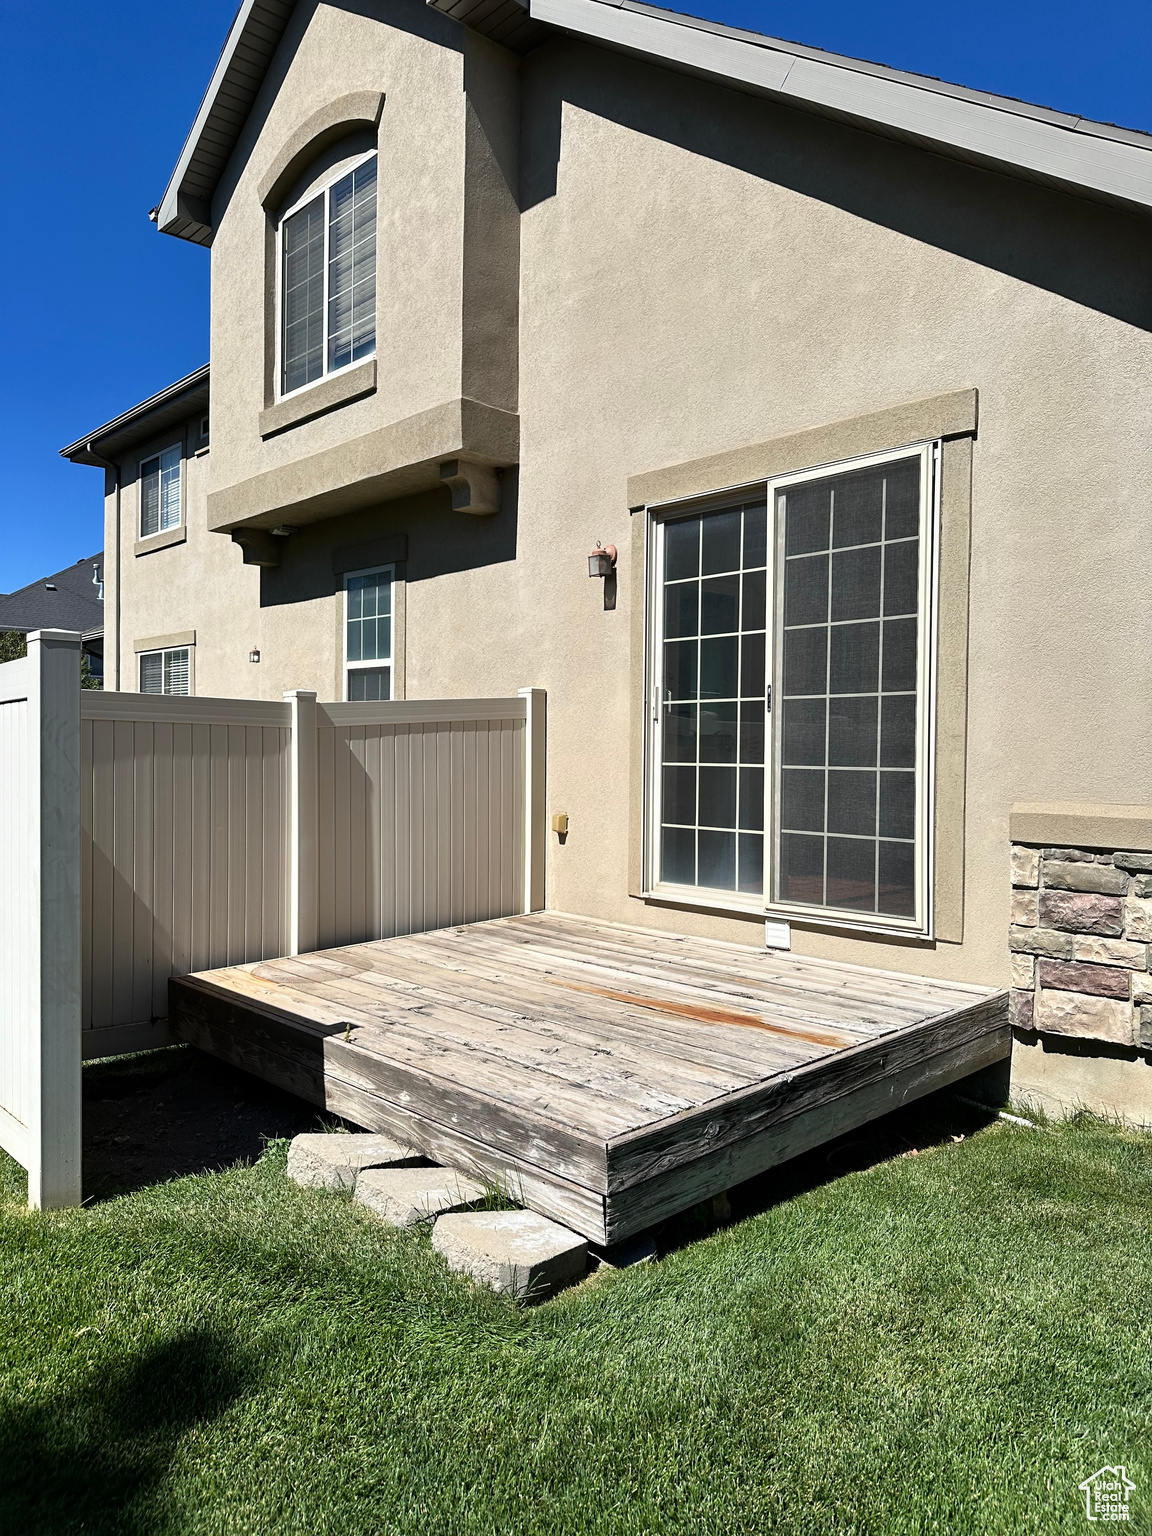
point(185, 210)
point(1087, 159)
point(138, 421)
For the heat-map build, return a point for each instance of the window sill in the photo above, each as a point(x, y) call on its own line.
point(693, 899)
point(326, 395)
point(700, 901)
point(163, 540)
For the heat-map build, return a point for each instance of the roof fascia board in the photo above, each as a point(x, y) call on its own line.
point(1060, 152)
point(81, 451)
point(179, 214)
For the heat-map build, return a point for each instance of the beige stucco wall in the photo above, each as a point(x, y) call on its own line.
point(674, 305)
point(446, 273)
point(196, 583)
point(699, 270)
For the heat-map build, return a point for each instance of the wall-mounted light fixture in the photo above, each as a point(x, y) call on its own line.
point(253, 655)
point(602, 560)
point(602, 563)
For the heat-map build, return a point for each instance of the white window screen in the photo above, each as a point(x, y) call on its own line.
point(849, 611)
point(328, 280)
point(160, 492)
point(166, 671)
point(368, 635)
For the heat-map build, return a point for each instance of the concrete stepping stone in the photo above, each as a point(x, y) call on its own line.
point(405, 1196)
point(517, 1253)
point(323, 1160)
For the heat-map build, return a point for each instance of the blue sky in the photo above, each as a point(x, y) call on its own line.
point(102, 311)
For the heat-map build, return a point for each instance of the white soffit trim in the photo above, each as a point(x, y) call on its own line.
point(1046, 145)
point(185, 209)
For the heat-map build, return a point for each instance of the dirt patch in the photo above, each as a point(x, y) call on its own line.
point(159, 1116)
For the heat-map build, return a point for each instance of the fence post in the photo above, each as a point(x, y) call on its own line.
point(535, 805)
point(303, 868)
point(53, 886)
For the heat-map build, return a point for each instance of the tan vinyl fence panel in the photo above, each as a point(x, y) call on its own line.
point(184, 838)
point(143, 837)
point(420, 816)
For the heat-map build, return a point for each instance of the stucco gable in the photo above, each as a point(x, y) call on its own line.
point(1092, 159)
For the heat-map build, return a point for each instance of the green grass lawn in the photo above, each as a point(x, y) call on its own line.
point(947, 1342)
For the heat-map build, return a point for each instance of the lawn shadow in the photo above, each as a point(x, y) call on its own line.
point(90, 1459)
point(935, 1120)
point(168, 1113)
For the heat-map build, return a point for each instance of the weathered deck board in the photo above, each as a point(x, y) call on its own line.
point(611, 1076)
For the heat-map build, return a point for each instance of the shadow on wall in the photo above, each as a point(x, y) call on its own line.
point(1091, 253)
point(91, 1458)
point(439, 542)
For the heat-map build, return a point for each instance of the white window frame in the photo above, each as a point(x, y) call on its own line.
point(768, 905)
point(369, 666)
point(165, 652)
point(177, 448)
point(310, 196)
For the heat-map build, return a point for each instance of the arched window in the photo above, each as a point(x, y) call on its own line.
point(328, 276)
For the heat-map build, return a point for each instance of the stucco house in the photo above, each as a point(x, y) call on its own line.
point(850, 367)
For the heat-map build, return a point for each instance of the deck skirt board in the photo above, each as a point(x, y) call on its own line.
point(654, 1199)
point(611, 1076)
point(641, 1154)
point(529, 1131)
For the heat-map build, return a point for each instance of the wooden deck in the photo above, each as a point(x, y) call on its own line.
point(610, 1076)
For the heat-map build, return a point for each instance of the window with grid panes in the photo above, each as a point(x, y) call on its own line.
point(810, 793)
point(368, 634)
point(849, 597)
point(712, 714)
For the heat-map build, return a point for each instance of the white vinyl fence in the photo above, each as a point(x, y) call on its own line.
point(143, 837)
point(40, 915)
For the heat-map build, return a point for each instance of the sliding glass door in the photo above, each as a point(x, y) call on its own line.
point(791, 671)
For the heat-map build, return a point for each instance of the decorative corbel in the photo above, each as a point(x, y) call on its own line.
point(475, 487)
point(259, 546)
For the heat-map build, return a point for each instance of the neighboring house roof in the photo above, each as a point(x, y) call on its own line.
point(67, 600)
point(1061, 149)
point(110, 442)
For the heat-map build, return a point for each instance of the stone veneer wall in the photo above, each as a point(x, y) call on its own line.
point(1080, 938)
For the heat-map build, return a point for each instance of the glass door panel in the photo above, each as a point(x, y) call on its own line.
point(711, 725)
point(849, 600)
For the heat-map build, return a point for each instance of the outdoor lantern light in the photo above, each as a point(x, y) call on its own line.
point(602, 560)
point(253, 655)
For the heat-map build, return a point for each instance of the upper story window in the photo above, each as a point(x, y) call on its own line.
point(160, 492)
point(368, 634)
point(328, 279)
